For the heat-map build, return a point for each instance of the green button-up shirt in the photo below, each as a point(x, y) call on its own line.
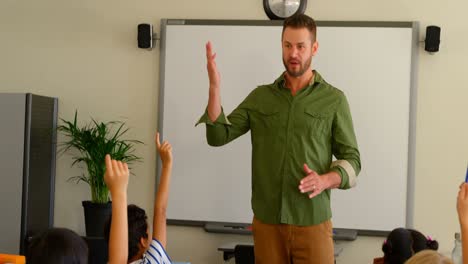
point(286, 132)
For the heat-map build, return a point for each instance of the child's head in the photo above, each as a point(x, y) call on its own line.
point(429, 257)
point(58, 246)
point(138, 235)
point(402, 243)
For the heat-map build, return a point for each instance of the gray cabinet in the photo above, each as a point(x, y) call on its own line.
point(27, 168)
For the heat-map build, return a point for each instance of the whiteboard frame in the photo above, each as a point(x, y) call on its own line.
point(413, 97)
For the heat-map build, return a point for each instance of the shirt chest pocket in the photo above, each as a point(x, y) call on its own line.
point(316, 122)
point(264, 120)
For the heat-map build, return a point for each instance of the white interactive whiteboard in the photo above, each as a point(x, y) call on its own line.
point(372, 62)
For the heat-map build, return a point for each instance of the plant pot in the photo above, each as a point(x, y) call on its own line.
point(96, 215)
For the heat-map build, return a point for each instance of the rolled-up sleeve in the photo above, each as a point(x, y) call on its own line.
point(344, 146)
point(222, 119)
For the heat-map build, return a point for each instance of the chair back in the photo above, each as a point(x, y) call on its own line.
point(244, 254)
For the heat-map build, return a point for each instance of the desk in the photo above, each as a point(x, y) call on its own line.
point(228, 249)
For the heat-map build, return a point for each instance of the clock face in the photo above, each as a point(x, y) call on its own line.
point(284, 8)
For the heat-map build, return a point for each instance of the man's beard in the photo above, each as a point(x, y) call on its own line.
point(302, 69)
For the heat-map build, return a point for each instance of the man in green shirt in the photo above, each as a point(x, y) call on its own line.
point(297, 124)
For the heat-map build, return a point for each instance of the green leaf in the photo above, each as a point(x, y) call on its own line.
point(89, 144)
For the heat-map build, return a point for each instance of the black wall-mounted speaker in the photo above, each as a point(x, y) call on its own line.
point(432, 39)
point(145, 36)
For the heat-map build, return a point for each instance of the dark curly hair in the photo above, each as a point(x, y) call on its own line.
point(137, 228)
point(57, 246)
point(402, 243)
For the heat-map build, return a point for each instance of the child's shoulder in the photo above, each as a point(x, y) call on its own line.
point(156, 254)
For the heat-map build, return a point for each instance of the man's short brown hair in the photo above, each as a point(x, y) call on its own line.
point(301, 21)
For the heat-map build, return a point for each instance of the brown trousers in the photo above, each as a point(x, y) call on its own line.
point(291, 244)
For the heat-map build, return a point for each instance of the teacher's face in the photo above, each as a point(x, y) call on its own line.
point(298, 50)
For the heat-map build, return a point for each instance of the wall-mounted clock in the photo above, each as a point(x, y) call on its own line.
point(281, 9)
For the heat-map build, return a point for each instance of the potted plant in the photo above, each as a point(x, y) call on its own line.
point(89, 144)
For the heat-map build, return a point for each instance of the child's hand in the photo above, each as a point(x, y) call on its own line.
point(116, 176)
point(165, 151)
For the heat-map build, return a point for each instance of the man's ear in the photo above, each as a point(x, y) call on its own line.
point(315, 48)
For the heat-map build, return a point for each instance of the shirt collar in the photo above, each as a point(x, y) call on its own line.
point(280, 81)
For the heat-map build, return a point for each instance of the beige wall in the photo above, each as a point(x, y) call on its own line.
point(84, 52)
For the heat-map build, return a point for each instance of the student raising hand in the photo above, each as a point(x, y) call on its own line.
point(160, 204)
point(130, 222)
point(116, 178)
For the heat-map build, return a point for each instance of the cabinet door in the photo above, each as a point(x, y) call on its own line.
point(12, 122)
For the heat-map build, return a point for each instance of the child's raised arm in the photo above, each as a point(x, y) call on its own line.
point(116, 178)
point(160, 204)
